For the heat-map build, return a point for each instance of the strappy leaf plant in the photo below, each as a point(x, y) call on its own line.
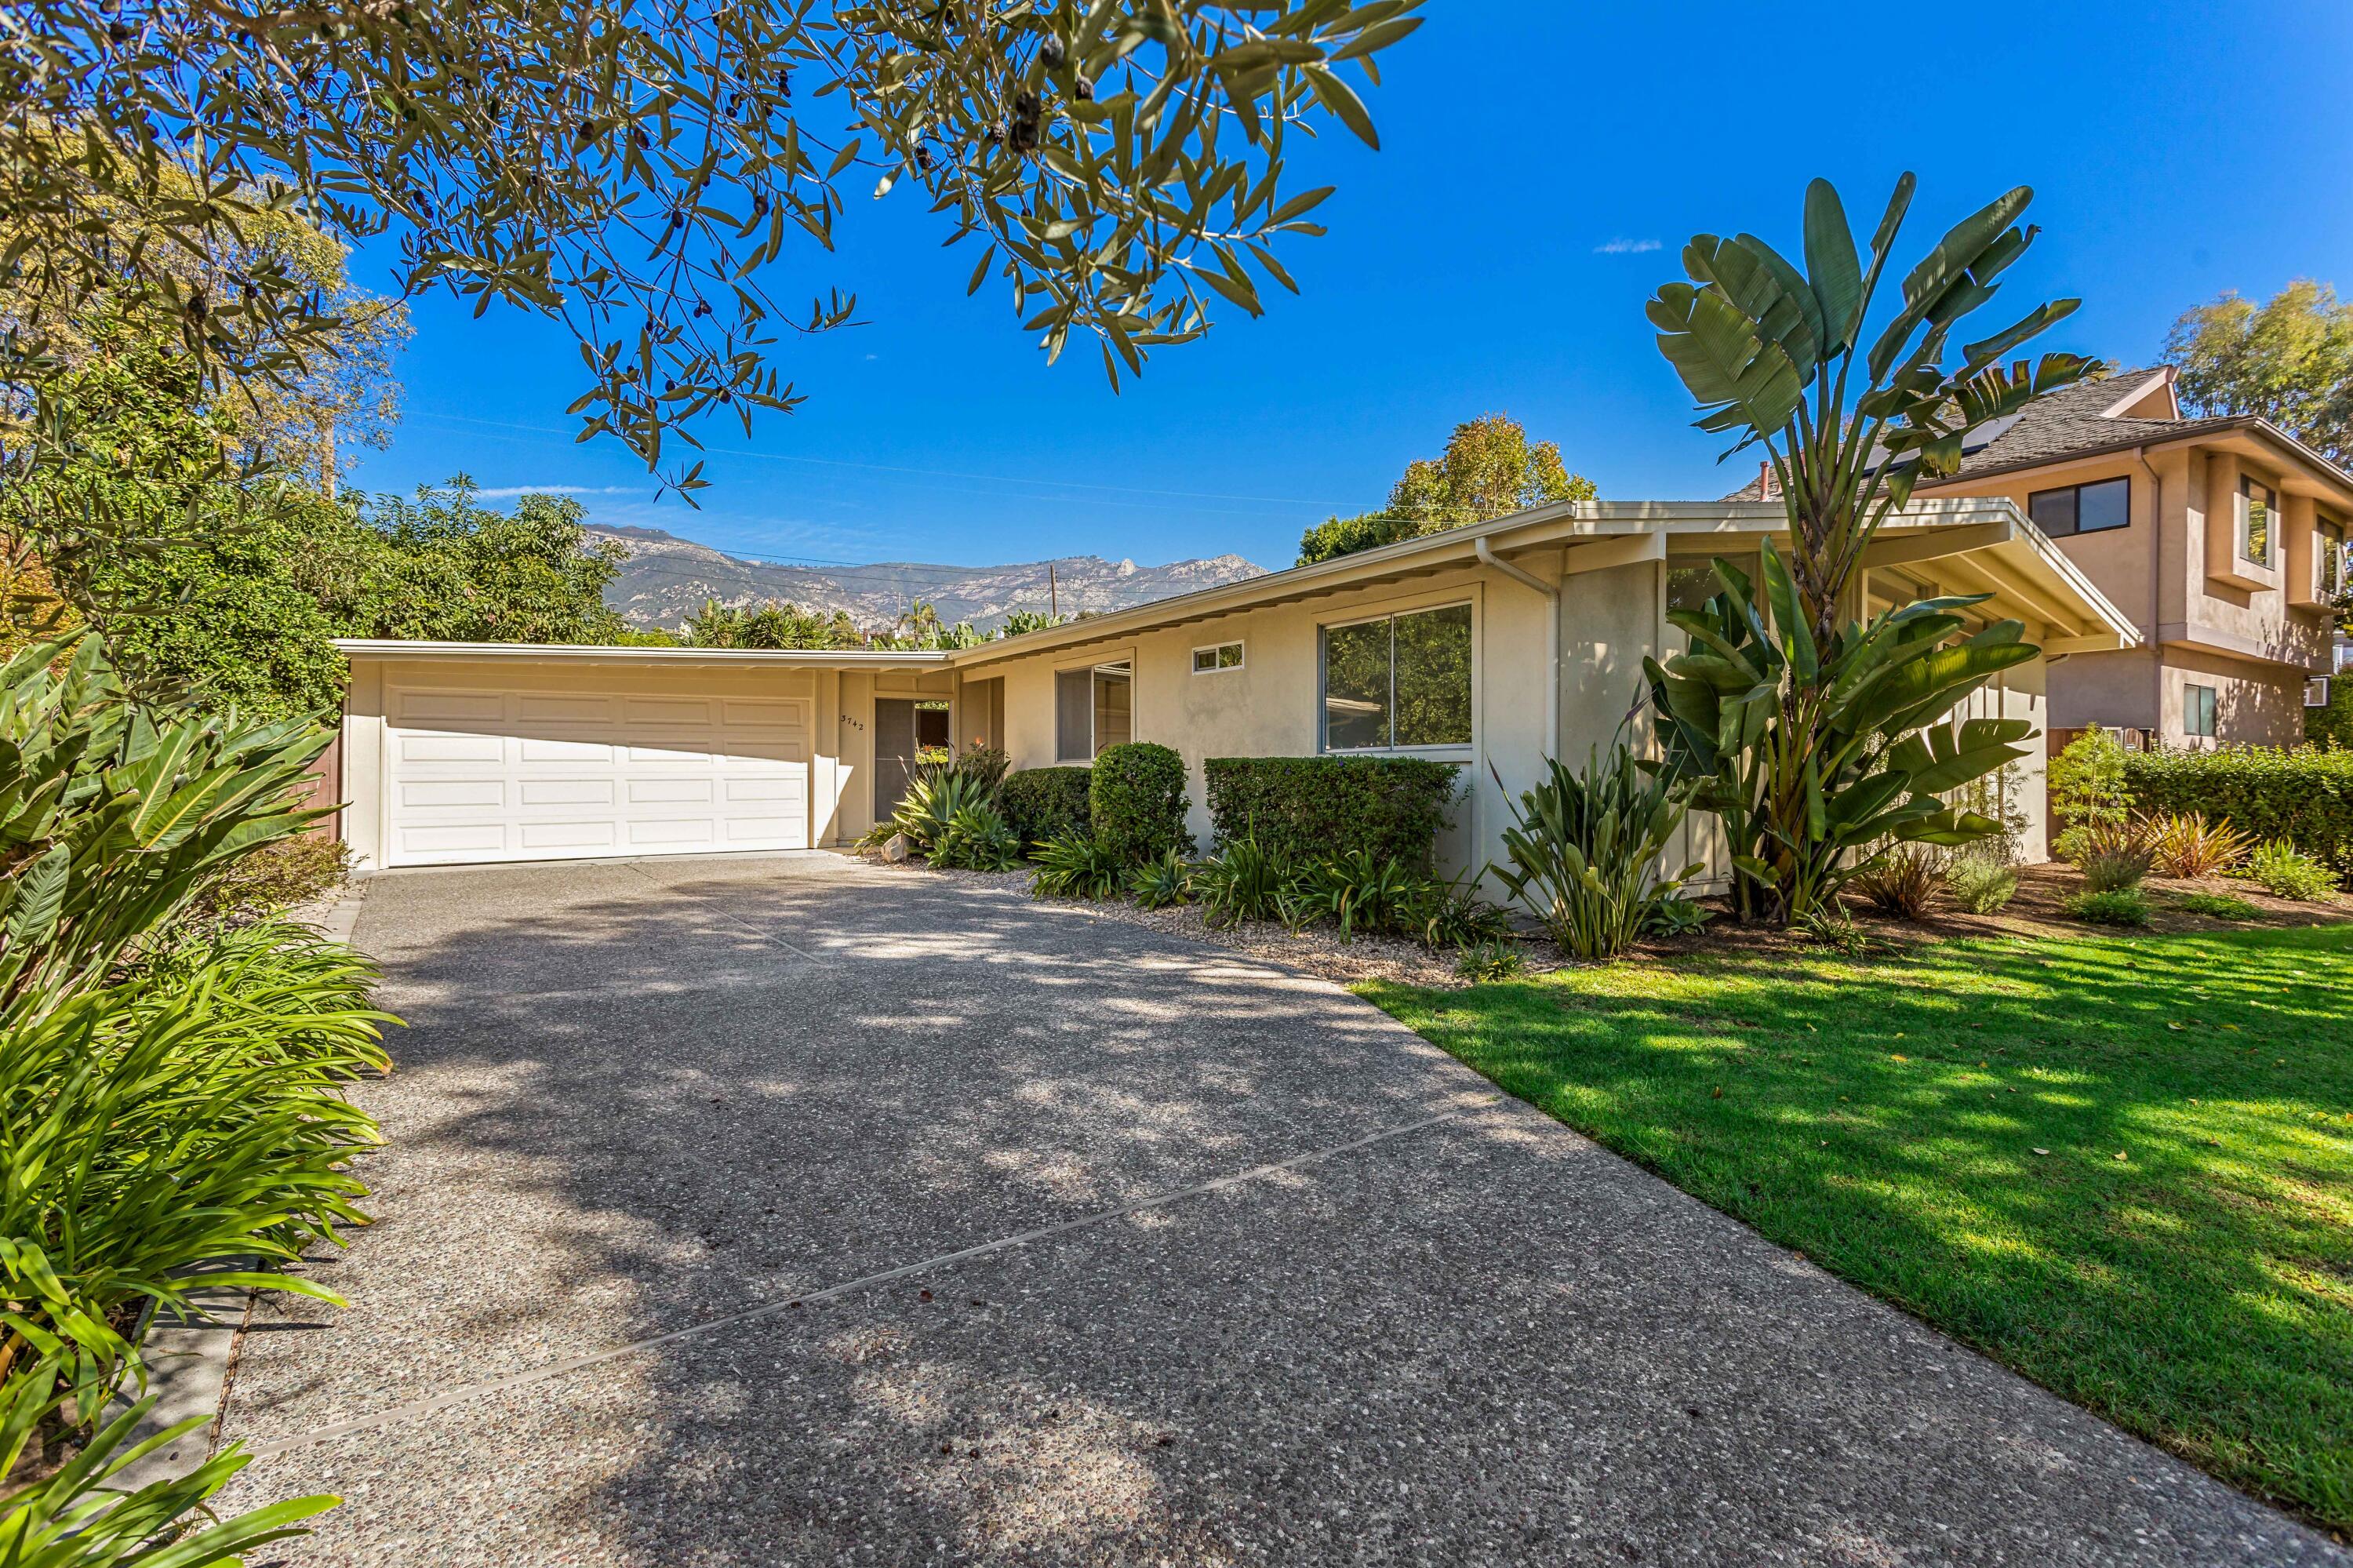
point(1810, 731)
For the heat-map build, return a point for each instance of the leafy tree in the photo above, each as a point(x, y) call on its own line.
point(2289, 359)
point(1490, 469)
point(1021, 620)
point(454, 569)
point(638, 171)
point(772, 625)
point(1821, 741)
point(921, 627)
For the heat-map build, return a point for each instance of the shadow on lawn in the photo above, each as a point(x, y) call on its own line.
point(2125, 1166)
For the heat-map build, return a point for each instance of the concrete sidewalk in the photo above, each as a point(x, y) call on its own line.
point(790, 1211)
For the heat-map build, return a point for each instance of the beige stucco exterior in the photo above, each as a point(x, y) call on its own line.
point(2206, 616)
point(1564, 604)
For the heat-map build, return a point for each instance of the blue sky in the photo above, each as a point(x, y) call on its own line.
point(1542, 164)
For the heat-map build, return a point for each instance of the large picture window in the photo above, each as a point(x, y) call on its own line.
point(1093, 710)
point(2092, 508)
point(1398, 682)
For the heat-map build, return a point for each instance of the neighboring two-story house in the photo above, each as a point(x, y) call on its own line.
point(2223, 539)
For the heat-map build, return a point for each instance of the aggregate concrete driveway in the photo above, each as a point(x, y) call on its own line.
point(791, 1211)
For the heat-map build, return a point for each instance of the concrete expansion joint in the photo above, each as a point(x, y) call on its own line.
point(551, 1371)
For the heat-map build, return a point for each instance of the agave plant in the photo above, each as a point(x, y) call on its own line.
point(1849, 419)
point(1584, 848)
point(1074, 865)
point(1247, 882)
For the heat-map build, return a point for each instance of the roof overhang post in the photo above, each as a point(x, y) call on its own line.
point(1551, 592)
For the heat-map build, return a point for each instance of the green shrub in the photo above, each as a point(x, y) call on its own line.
point(1584, 851)
point(1247, 881)
point(2283, 872)
point(941, 789)
point(1493, 960)
point(1831, 926)
point(1904, 882)
point(1359, 892)
point(2110, 906)
point(2304, 796)
point(2218, 906)
point(1309, 808)
point(1074, 865)
point(2088, 788)
point(1137, 802)
point(1043, 803)
point(1161, 883)
point(1451, 914)
point(976, 839)
point(275, 878)
point(1676, 917)
point(1979, 887)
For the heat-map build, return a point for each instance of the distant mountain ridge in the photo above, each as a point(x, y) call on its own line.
point(667, 579)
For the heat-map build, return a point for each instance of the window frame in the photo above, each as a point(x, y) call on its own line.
point(2190, 705)
point(1323, 630)
point(1094, 674)
point(2328, 553)
point(2248, 485)
point(2076, 495)
point(1240, 647)
point(2319, 683)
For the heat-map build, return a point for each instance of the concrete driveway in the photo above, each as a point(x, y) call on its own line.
point(790, 1211)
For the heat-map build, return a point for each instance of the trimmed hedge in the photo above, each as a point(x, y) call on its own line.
point(2305, 796)
point(1137, 801)
point(2332, 726)
point(1321, 808)
point(1041, 804)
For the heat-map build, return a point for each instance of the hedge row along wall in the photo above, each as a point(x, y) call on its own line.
point(1040, 803)
point(1313, 808)
point(2304, 796)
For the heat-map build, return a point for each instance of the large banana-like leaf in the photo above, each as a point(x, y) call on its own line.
point(1723, 362)
point(1942, 757)
point(1836, 280)
point(1766, 290)
point(1944, 269)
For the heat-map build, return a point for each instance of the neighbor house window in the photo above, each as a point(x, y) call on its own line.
point(1093, 709)
point(2315, 692)
point(2197, 712)
point(1223, 656)
point(2092, 508)
point(1400, 680)
point(2330, 564)
point(2258, 504)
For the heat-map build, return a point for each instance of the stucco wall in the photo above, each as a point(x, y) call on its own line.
point(1269, 707)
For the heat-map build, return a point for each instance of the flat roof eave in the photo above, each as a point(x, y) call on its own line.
point(599, 654)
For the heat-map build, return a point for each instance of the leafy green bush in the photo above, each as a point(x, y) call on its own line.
point(2087, 783)
point(2218, 906)
point(1902, 883)
point(1584, 851)
point(2304, 796)
point(1042, 803)
point(1074, 865)
point(1832, 925)
point(976, 839)
point(1495, 959)
point(1137, 803)
point(939, 790)
point(1451, 914)
point(2283, 872)
point(1676, 917)
point(1247, 881)
point(1979, 887)
point(1360, 893)
point(1304, 808)
point(2110, 906)
point(1161, 883)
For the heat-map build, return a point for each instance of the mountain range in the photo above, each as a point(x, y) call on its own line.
point(666, 579)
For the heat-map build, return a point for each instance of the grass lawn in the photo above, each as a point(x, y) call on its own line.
point(2122, 1165)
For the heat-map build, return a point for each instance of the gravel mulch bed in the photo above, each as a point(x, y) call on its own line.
point(2034, 911)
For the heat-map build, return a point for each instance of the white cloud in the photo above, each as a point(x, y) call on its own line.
point(1626, 247)
point(509, 492)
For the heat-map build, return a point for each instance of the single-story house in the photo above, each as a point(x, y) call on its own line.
point(1490, 645)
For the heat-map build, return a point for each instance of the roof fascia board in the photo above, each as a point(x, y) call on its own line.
point(819, 658)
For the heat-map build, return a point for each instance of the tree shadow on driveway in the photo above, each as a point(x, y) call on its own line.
point(635, 1099)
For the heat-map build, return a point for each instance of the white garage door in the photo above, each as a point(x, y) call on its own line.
point(480, 775)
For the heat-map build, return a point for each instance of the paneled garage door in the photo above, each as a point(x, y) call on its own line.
point(574, 775)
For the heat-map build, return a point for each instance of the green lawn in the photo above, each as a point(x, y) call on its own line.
point(2123, 1165)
